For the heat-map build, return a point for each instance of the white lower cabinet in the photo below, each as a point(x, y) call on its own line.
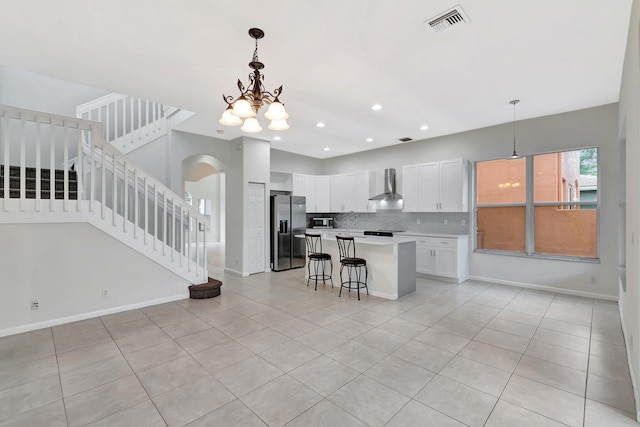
point(445, 257)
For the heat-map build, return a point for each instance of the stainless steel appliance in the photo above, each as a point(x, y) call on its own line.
point(322, 222)
point(288, 218)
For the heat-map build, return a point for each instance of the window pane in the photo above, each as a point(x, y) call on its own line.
point(501, 229)
point(562, 231)
point(566, 176)
point(501, 181)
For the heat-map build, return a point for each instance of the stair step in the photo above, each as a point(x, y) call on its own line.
point(14, 171)
point(14, 184)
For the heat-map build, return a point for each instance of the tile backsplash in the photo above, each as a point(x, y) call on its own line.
point(405, 221)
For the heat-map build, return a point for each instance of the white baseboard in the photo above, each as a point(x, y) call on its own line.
point(55, 322)
point(236, 272)
point(382, 295)
point(545, 288)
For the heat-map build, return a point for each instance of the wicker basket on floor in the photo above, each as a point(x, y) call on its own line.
point(205, 290)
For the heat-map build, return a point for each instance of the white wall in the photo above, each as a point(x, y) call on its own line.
point(577, 129)
point(152, 158)
point(25, 89)
point(208, 188)
point(629, 129)
point(66, 267)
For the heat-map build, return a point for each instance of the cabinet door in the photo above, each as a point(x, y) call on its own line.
point(298, 185)
point(429, 187)
point(453, 186)
point(323, 200)
point(336, 193)
point(410, 193)
point(424, 256)
point(356, 192)
point(310, 192)
point(445, 262)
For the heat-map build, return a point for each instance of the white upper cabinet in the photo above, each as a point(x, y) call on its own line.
point(410, 191)
point(298, 184)
point(350, 192)
point(435, 187)
point(332, 193)
point(358, 188)
point(337, 193)
point(323, 200)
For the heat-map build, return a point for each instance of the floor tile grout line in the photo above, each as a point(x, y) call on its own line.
point(586, 379)
point(64, 405)
point(514, 370)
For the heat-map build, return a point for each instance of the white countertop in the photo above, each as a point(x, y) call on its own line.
point(415, 233)
point(395, 234)
point(360, 239)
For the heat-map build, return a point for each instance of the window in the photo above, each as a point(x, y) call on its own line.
point(542, 204)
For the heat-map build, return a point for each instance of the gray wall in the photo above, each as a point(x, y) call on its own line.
point(629, 131)
point(283, 161)
point(577, 129)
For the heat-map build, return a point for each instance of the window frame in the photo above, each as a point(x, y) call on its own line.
point(530, 206)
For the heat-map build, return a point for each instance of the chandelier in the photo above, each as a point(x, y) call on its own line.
point(247, 105)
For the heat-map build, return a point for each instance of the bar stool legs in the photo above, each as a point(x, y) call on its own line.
point(317, 273)
point(358, 283)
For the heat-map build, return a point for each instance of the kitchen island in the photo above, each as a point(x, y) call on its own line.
point(391, 262)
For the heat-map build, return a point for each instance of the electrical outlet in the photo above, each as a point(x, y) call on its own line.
point(35, 304)
point(593, 280)
point(463, 221)
point(105, 293)
point(446, 221)
point(418, 221)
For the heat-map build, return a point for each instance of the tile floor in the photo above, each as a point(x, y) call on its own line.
point(270, 351)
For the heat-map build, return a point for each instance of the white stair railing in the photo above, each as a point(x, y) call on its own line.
point(128, 122)
point(37, 184)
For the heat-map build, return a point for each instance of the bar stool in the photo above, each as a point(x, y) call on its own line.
point(348, 259)
point(315, 255)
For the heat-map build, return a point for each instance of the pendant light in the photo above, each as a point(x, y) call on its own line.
point(254, 97)
point(514, 155)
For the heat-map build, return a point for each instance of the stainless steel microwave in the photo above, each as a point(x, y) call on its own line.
point(322, 222)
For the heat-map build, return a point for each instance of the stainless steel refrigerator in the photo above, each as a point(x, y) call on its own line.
point(288, 218)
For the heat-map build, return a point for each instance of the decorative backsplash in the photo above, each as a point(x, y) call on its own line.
point(405, 221)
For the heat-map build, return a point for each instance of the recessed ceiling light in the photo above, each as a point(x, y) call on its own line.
point(276, 138)
point(424, 127)
point(327, 149)
point(369, 140)
point(320, 124)
point(376, 107)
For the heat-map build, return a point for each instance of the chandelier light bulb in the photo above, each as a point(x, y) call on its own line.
point(230, 119)
point(276, 111)
point(278, 125)
point(242, 108)
point(251, 125)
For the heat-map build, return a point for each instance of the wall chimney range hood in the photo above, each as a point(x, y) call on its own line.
point(390, 193)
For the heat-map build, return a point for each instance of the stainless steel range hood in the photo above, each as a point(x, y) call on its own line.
point(389, 187)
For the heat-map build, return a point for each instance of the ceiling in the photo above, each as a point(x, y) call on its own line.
point(335, 60)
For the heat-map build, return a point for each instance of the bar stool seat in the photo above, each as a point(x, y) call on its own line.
point(319, 258)
point(353, 264)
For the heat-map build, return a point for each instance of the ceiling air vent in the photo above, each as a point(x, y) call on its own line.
point(447, 19)
point(405, 139)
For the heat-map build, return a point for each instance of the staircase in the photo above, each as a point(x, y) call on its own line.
point(128, 122)
point(100, 187)
point(47, 191)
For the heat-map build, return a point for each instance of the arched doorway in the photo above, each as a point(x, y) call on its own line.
point(203, 182)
